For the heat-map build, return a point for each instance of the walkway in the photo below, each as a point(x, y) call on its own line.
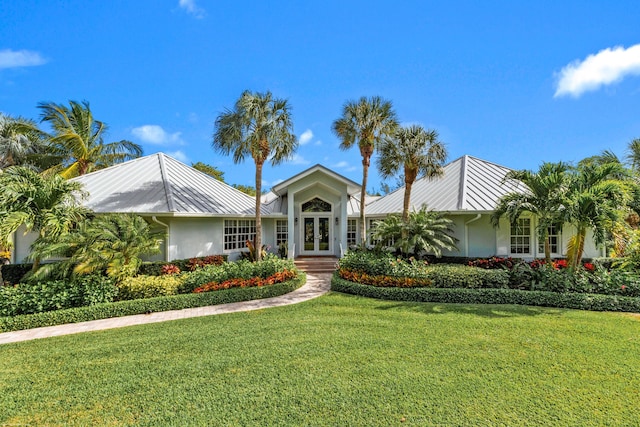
point(317, 284)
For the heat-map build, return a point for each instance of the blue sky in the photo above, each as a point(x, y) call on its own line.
point(513, 82)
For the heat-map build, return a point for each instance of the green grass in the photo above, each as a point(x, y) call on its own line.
point(336, 360)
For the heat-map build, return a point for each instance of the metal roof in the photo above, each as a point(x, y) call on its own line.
point(468, 184)
point(159, 184)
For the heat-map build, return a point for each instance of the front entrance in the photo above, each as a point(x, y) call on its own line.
point(316, 234)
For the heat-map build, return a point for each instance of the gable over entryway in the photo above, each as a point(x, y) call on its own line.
point(317, 210)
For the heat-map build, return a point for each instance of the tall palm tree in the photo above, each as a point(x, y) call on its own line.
point(418, 151)
point(596, 200)
point(112, 243)
point(79, 139)
point(365, 122)
point(544, 197)
point(46, 205)
point(259, 126)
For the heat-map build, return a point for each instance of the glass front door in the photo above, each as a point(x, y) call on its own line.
point(316, 232)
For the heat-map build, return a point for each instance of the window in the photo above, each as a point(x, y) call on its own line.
point(373, 223)
point(237, 232)
point(352, 232)
point(282, 233)
point(521, 236)
point(554, 241)
point(316, 205)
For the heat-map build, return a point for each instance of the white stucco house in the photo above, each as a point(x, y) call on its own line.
point(316, 212)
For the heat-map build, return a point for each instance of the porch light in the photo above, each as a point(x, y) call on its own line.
point(337, 220)
point(295, 221)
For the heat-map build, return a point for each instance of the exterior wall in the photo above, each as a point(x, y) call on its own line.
point(195, 237)
point(22, 245)
point(481, 237)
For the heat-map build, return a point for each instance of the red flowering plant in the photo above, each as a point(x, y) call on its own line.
point(200, 262)
point(277, 277)
point(493, 263)
point(169, 269)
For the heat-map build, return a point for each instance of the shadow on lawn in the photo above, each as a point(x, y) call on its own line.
point(490, 311)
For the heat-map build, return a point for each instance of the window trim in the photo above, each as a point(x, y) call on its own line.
point(522, 236)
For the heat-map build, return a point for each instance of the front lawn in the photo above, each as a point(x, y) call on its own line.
point(336, 360)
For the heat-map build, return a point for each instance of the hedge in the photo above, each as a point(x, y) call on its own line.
point(150, 305)
point(576, 301)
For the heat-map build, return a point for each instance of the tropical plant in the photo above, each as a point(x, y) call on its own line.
point(112, 243)
point(596, 200)
point(543, 196)
point(418, 151)
point(365, 122)
point(78, 139)
point(21, 142)
point(633, 156)
point(425, 232)
point(259, 126)
point(46, 205)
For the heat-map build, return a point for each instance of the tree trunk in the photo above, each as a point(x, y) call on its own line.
point(363, 193)
point(409, 178)
point(547, 245)
point(258, 239)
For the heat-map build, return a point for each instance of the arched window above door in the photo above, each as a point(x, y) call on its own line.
point(316, 205)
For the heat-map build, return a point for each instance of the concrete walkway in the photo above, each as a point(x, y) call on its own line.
point(317, 284)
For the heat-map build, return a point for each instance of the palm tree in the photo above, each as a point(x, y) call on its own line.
point(20, 142)
point(259, 126)
point(596, 200)
point(419, 151)
point(46, 205)
point(634, 154)
point(544, 197)
point(424, 231)
point(113, 243)
point(79, 139)
point(365, 122)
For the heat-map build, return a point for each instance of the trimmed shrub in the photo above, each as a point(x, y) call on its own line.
point(148, 286)
point(461, 276)
point(491, 296)
point(39, 297)
point(149, 305)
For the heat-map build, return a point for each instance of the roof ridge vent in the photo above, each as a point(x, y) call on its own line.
point(167, 185)
point(463, 183)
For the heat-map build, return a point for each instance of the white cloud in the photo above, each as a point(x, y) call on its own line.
point(306, 136)
point(341, 164)
point(179, 155)
point(299, 160)
point(20, 58)
point(192, 8)
point(604, 68)
point(154, 134)
point(318, 142)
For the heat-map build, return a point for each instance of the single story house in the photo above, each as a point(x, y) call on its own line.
point(315, 212)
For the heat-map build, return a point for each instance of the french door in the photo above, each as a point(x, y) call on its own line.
point(316, 235)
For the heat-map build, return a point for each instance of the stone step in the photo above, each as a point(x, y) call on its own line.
point(317, 264)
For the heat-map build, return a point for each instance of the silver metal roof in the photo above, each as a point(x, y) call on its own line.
point(159, 184)
point(468, 184)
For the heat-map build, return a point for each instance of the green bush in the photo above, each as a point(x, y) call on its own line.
point(39, 297)
point(381, 263)
point(154, 268)
point(148, 286)
point(234, 270)
point(461, 276)
point(142, 306)
point(492, 296)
